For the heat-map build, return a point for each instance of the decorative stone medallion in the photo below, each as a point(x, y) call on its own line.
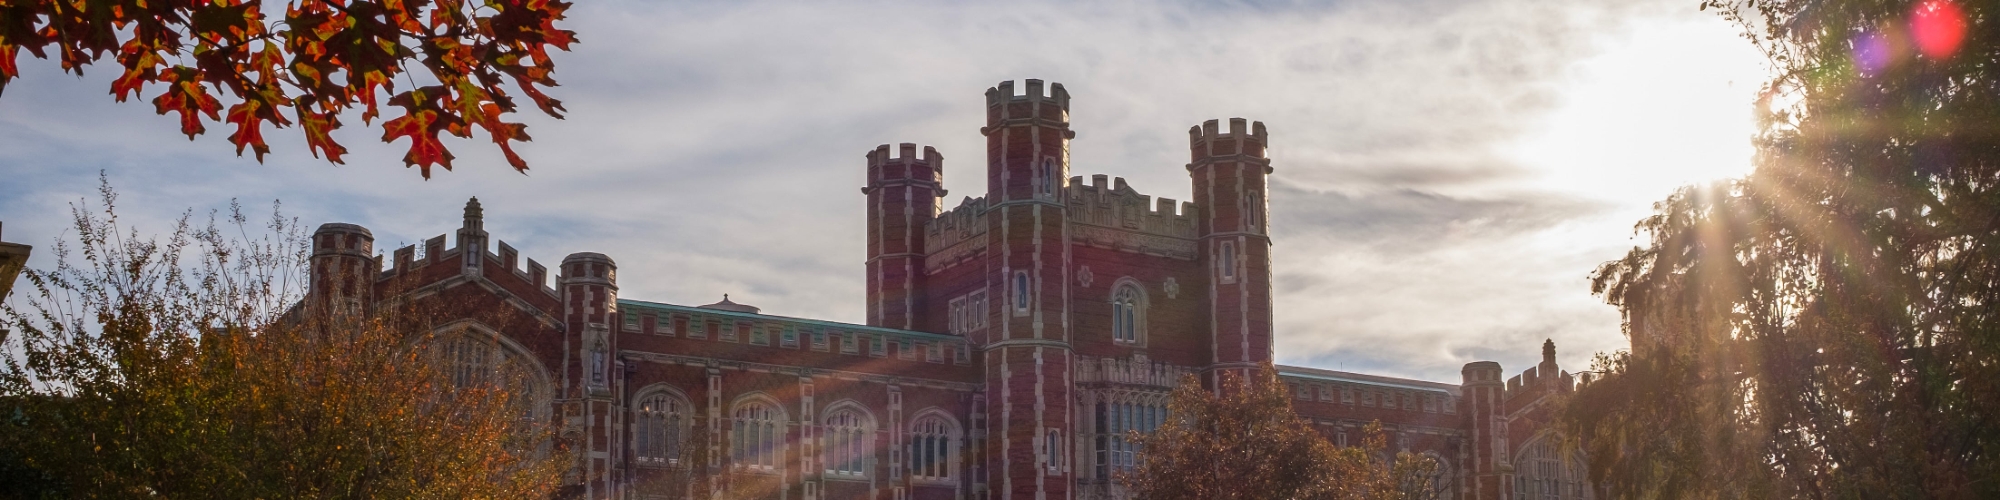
point(1083, 276)
point(1172, 288)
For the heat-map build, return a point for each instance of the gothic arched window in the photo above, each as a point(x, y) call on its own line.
point(848, 444)
point(757, 436)
point(469, 360)
point(1544, 472)
point(932, 438)
point(480, 358)
point(1128, 313)
point(661, 420)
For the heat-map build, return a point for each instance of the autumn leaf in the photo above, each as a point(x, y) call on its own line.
point(421, 123)
point(319, 139)
point(322, 59)
point(141, 66)
point(249, 128)
point(186, 95)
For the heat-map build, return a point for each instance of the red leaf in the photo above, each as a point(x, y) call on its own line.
point(421, 123)
point(319, 129)
point(249, 128)
point(186, 95)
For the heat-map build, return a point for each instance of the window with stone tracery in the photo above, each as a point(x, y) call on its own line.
point(474, 358)
point(757, 436)
point(1114, 449)
point(847, 444)
point(468, 360)
point(932, 445)
point(1128, 313)
point(1543, 472)
point(661, 419)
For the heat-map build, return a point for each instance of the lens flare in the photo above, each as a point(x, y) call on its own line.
point(1939, 27)
point(1873, 51)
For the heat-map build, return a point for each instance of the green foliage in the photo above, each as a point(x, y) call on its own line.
point(1244, 441)
point(1826, 326)
point(187, 368)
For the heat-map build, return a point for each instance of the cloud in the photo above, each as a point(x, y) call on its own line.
point(715, 147)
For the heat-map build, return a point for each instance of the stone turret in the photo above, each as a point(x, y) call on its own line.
point(903, 196)
point(1229, 170)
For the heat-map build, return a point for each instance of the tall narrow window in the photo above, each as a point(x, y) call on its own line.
point(975, 310)
point(597, 368)
point(1127, 313)
point(1227, 262)
point(1052, 443)
point(1045, 178)
point(660, 421)
point(756, 437)
point(1253, 212)
point(1020, 292)
point(847, 447)
point(1103, 441)
point(958, 319)
point(931, 441)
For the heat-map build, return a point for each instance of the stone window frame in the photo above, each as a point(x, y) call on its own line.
point(847, 442)
point(665, 414)
point(1023, 299)
point(1128, 296)
point(1226, 262)
point(758, 433)
point(936, 442)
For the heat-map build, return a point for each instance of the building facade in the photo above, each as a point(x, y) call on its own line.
point(1010, 340)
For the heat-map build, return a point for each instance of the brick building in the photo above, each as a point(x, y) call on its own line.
point(1010, 340)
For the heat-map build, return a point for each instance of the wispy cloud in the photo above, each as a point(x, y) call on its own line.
point(715, 147)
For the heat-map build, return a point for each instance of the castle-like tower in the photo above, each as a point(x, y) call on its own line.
point(1011, 342)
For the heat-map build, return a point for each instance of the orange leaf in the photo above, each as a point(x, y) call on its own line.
point(421, 124)
point(319, 128)
point(249, 128)
point(186, 95)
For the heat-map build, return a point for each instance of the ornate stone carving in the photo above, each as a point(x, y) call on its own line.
point(1133, 241)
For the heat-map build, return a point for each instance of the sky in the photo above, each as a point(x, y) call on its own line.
point(1448, 172)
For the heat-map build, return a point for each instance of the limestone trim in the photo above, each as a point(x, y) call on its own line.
point(700, 361)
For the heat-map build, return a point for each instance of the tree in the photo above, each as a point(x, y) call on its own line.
point(1244, 441)
point(323, 58)
point(189, 368)
point(1825, 326)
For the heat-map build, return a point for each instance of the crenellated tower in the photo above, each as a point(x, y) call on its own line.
point(1029, 359)
point(903, 194)
point(1230, 171)
point(1483, 395)
point(343, 267)
point(589, 291)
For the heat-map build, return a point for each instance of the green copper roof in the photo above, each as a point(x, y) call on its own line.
point(622, 303)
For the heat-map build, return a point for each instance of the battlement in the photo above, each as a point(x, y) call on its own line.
point(906, 154)
point(1119, 206)
point(1535, 380)
point(1243, 138)
point(1004, 94)
point(336, 238)
point(956, 234)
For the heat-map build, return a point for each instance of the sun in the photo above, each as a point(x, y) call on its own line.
point(1665, 104)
